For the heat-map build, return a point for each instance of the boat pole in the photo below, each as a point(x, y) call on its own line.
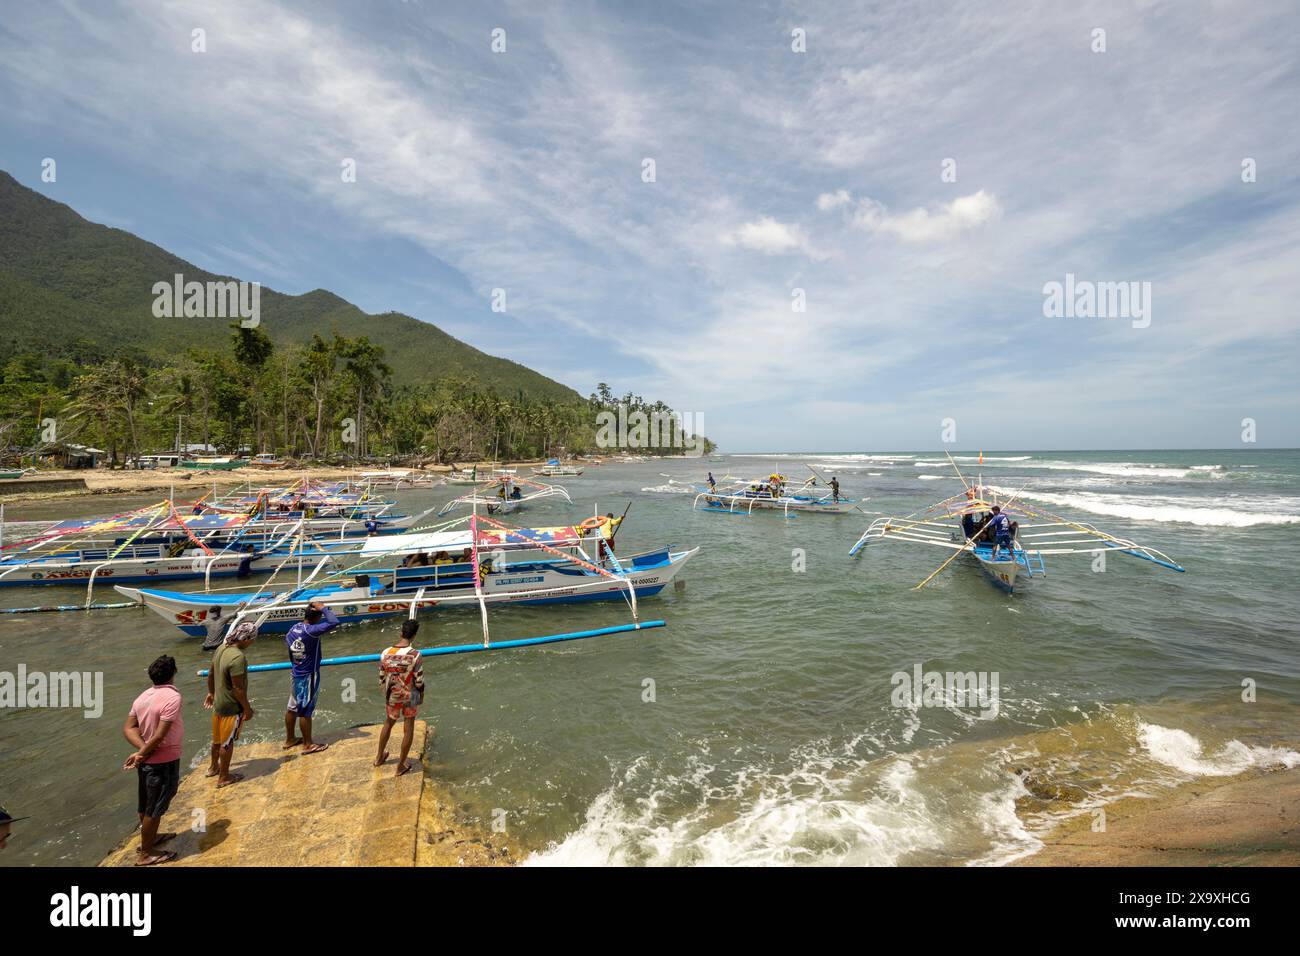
point(469, 648)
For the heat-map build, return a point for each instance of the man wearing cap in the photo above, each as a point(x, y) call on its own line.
point(5, 820)
point(155, 729)
point(228, 699)
point(304, 643)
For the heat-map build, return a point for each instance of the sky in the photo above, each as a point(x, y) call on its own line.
point(914, 175)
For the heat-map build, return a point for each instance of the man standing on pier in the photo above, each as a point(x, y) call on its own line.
point(228, 699)
point(155, 729)
point(304, 643)
point(402, 680)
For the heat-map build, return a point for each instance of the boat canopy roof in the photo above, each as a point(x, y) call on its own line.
point(460, 539)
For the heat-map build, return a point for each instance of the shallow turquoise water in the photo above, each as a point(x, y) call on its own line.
point(771, 735)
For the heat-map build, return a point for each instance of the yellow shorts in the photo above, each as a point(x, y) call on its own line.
point(225, 730)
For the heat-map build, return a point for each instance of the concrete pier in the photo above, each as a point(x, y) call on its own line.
point(333, 808)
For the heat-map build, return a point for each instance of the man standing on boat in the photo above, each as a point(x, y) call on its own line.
point(304, 643)
point(835, 489)
point(999, 527)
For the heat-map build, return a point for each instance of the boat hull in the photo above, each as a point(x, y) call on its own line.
point(518, 585)
point(743, 504)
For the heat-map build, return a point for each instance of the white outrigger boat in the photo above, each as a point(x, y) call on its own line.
point(158, 543)
point(462, 476)
point(554, 469)
point(397, 478)
point(504, 495)
point(743, 495)
point(493, 564)
point(961, 524)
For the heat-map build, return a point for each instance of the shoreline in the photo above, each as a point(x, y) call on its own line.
point(1250, 819)
point(110, 482)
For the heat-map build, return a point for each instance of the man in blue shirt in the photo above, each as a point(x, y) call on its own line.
point(1000, 527)
point(304, 643)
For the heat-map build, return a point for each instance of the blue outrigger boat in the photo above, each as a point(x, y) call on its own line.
point(961, 524)
point(482, 566)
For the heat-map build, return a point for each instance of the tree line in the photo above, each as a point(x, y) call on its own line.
point(329, 400)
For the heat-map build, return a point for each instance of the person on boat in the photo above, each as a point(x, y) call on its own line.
point(246, 563)
point(968, 525)
point(713, 484)
point(401, 678)
point(1000, 529)
point(215, 626)
point(835, 489)
point(197, 509)
point(228, 699)
point(372, 526)
point(516, 493)
point(304, 643)
point(156, 729)
point(466, 556)
point(442, 557)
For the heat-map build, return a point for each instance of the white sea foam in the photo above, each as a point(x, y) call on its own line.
point(1119, 469)
point(809, 816)
point(670, 490)
point(1180, 750)
point(1223, 512)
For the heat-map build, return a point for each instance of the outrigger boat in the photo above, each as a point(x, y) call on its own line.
point(158, 543)
point(744, 495)
point(961, 524)
point(496, 564)
point(553, 469)
point(215, 464)
point(503, 495)
point(397, 478)
point(462, 476)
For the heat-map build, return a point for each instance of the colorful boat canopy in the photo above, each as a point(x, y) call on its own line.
point(434, 541)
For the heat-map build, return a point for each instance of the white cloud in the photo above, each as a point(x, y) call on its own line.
point(946, 221)
point(770, 237)
point(829, 201)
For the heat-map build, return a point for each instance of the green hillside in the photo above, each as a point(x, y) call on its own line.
point(73, 289)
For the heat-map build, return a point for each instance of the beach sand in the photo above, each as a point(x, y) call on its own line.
point(190, 483)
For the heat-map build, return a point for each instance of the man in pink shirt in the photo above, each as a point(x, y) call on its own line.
point(155, 729)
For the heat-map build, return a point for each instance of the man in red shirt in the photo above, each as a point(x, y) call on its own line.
point(155, 729)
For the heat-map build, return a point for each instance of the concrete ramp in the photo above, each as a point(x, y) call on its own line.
point(326, 809)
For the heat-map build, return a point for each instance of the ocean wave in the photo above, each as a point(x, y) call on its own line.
point(808, 816)
point(1180, 750)
point(841, 458)
point(1119, 469)
point(1207, 512)
point(669, 490)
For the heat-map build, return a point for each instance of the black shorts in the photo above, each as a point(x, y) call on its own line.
point(158, 783)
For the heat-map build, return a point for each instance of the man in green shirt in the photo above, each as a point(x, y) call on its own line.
point(228, 699)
